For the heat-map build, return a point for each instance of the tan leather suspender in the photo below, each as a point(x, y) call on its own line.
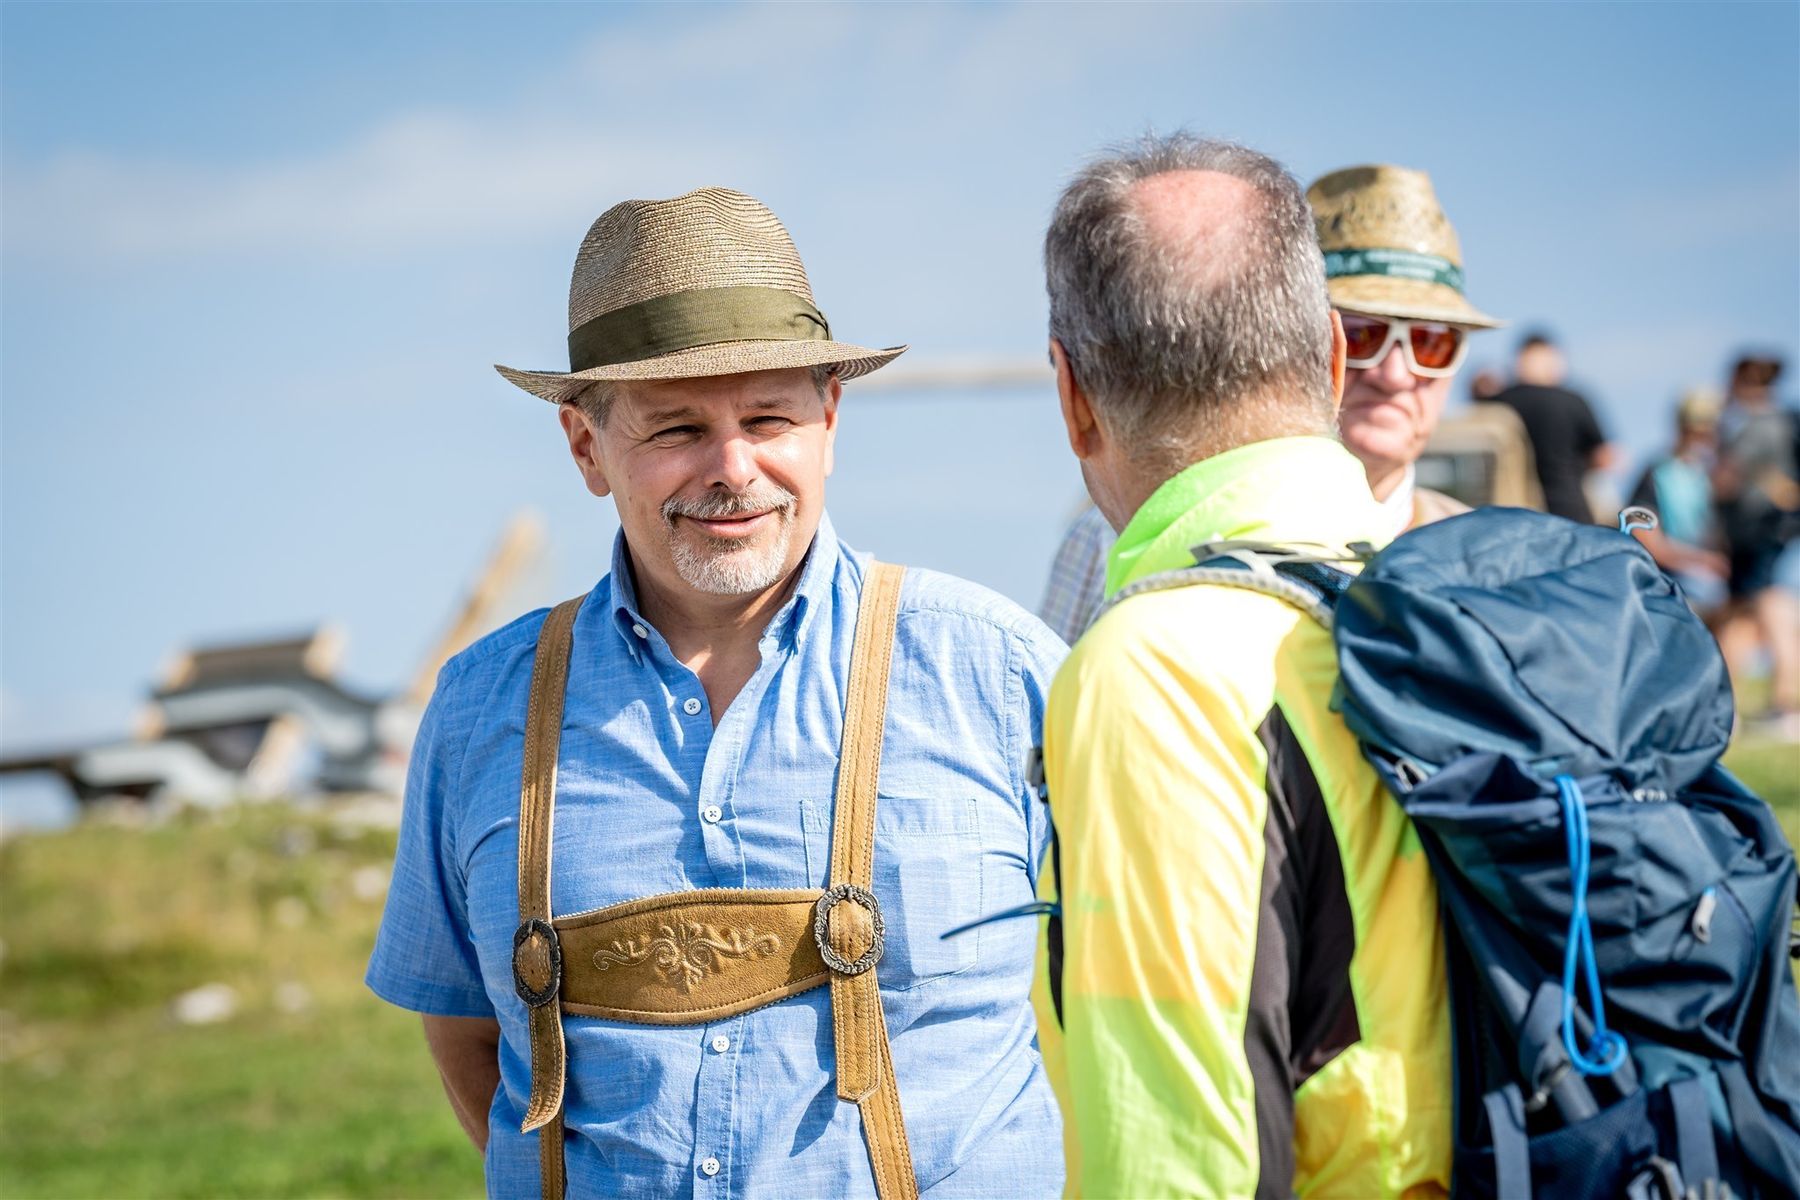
point(865, 1068)
point(691, 957)
point(537, 955)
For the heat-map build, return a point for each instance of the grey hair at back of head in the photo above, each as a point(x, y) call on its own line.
point(596, 399)
point(1225, 337)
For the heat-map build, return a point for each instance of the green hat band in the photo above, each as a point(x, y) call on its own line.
point(680, 320)
point(1401, 264)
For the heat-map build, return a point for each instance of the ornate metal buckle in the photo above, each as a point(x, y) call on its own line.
point(525, 934)
point(821, 918)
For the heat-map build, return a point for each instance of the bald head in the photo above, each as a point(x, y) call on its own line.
point(1187, 288)
point(1196, 219)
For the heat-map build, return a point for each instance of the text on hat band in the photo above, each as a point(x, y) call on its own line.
point(700, 317)
point(1403, 264)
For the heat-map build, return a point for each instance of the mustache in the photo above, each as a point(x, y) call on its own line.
point(713, 505)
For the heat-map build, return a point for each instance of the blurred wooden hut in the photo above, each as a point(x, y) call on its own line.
point(264, 718)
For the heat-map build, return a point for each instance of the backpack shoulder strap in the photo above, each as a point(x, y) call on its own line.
point(1304, 577)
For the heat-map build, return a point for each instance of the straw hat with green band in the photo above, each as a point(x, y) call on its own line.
point(705, 284)
point(1389, 249)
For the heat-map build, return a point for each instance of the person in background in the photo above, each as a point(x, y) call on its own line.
point(1512, 470)
point(1758, 487)
point(1394, 269)
point(1678, 489)
point(1565, 436)
point(1245, 991)
point(1077, 575)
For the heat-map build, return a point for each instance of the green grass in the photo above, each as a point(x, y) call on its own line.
point(105, 1094)
point(1772, 771)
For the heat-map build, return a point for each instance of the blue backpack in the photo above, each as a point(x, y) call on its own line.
point(1617, 908)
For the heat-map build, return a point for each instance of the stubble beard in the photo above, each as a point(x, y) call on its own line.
point(731, 566)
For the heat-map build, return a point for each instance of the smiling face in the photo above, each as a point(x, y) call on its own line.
point(1388, 412)
point(719, 481)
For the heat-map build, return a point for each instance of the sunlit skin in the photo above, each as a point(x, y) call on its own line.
point(1387, 415)
point(688, 438)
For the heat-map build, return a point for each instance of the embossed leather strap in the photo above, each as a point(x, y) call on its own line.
point(686, 958)
point(537, 808)
point(865, 1066)
point(590, 944)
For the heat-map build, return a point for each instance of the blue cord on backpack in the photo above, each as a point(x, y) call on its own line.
point(1607, 1050)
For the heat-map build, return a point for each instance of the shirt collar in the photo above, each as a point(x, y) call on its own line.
point(1297, 489)
point(788, 623)
point(1398, 507)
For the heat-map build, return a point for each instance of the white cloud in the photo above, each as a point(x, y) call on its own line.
point(415, 179)
point(648, 109)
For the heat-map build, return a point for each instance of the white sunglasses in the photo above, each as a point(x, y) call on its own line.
point(1433, 349)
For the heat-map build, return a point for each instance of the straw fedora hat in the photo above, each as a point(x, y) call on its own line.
point(1389, 249)
point(705, 284)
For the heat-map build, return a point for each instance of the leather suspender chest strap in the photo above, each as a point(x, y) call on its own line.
point(537, 954)
point(849, 913)
point(691, 957)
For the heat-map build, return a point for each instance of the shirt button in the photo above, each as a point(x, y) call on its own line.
point(691, 707)
point(709, 1166)
point(640, 631)
point(721, 1044)
point(712, 814)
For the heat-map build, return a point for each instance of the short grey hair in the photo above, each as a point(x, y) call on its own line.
point(1178, 344)
point(596, 399)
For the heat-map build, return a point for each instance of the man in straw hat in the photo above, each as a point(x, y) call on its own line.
point(679, 857)
point(1393, 270)
point(1244, 986)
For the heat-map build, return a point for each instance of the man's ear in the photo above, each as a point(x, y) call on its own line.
point(1340, 351)
point(1078, 414)
point(584, 447)
point(834, 390)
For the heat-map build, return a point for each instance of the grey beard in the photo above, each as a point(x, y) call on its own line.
point(723, 567)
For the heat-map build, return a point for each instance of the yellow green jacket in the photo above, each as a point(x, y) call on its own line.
point(1251, 974)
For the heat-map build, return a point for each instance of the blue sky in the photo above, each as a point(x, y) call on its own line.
point(257, 260)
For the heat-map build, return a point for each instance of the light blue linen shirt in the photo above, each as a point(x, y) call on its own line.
point(652, 798)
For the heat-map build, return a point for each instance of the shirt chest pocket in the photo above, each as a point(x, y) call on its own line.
point(927, 877)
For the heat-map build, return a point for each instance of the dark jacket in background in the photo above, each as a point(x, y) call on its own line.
point(1564, 435)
